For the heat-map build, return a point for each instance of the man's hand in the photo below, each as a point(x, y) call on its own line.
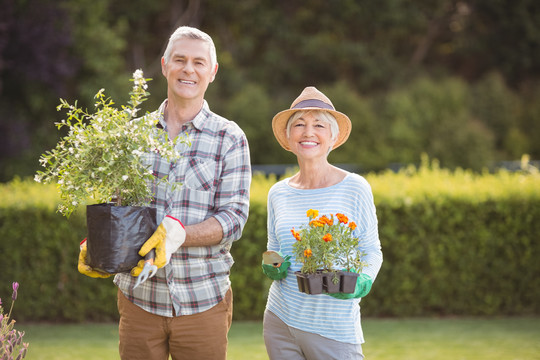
point(83, 266)
point(274, 265)
point(363, 286)
point(167, 238)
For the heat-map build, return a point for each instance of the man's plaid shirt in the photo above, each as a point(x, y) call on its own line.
point(215, 174)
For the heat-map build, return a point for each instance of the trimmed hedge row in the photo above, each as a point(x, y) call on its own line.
point(40, 251)
point(458, 258)
point(445, 252)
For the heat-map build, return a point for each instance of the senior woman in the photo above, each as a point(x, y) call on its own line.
point(325, 326)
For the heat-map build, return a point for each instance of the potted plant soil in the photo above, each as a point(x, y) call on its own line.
point(102, 163)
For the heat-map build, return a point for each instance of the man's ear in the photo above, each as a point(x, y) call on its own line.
point(163, 67)
point(215, 72)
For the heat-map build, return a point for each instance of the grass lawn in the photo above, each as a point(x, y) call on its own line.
point(386, 339)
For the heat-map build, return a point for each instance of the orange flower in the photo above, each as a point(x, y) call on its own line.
point(307, 253)
point(342, 218)
point(316, 223)
point(296, 234)
point(324, 219)
point(327, 237)
point(352, 225)
point(312, 213)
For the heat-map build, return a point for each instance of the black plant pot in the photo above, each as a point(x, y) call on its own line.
point(309, 283)
point(327, 282)
point(331, 282)
point(116, 234)
point(348, 282)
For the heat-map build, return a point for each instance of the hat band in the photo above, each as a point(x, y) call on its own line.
point(312, 103)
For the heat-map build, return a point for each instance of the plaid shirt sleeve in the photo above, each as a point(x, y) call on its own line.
point(232, 193)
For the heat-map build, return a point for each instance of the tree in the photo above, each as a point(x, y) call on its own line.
point(35, 63)
point(433, 117)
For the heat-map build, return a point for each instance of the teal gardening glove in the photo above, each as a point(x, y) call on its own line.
point(363, 286)
point(274, 265)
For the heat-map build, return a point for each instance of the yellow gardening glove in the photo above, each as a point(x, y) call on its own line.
point(167, 238)
point(83, 266)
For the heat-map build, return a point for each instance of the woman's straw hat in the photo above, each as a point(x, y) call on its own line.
point(310, 99)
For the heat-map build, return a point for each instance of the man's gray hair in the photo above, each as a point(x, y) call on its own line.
point(187, 32)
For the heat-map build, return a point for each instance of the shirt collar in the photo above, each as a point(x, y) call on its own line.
point(197, 122)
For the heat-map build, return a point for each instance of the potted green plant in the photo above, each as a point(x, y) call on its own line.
point(102, 162)
point(329, 254)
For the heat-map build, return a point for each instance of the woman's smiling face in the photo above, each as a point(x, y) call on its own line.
point(310, 137)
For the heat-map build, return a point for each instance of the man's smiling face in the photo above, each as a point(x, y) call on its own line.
point(189, 69)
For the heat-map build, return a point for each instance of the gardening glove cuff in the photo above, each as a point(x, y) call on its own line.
point(83, 266)
point(277, 271)
point(167, 238)
point(363, 286)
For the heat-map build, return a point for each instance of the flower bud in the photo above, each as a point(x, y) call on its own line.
point(15, 288)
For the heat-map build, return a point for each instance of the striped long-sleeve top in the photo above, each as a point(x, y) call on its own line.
point(287, 206)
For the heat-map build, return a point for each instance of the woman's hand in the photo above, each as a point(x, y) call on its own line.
point(274, 265)
point(363, 286)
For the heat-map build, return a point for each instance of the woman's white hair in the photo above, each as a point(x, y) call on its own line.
point(187, 32)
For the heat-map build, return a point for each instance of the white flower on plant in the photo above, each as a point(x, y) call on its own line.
point(125, 177)
point(138, 75)
point(37, 178)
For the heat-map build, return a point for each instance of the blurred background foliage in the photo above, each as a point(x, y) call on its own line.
point(457, 80)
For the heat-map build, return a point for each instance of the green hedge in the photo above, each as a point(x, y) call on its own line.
point(40, 250)
point(458, 258)
point(454, 243)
